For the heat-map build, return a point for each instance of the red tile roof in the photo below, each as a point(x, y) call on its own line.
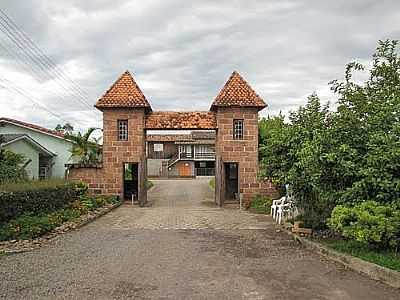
point(32, 126)
point(181, 120)
point(124, 93)
point(168, 137)
point(237, 92)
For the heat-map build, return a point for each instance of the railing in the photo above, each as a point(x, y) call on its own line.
point(189, 155)
point(184, 155)
point(205, 171)
point(173, 159)
point(204, 155)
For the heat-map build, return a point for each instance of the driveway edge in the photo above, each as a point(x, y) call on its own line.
point(29, 245)
point(373, 271)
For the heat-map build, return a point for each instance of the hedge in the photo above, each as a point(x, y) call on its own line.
point(36, 197)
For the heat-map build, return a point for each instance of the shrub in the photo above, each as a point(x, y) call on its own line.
point(212, 183)
point(345, 155)
point(29, 226)
point(36, 197)
point(11, 166)
point(369, 222)
point(261, 204)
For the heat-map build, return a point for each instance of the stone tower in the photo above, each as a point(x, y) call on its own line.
point(236, 108)
point(123, 105)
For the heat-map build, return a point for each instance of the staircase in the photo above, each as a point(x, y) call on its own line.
point(173, 160)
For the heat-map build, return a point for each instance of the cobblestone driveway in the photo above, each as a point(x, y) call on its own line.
point(181, 248)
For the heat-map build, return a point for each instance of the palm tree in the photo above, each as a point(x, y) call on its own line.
point(85, 149)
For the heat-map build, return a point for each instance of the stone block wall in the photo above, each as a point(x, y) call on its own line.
point(244, 152)
point(116, 152)
point(109, 179)
point(92, 176)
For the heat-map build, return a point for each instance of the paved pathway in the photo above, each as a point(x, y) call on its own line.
point(181, 248)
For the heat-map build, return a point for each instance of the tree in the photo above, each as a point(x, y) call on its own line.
point(343, 157)
point(11, 165)
point(67, 128)
point(87, 150)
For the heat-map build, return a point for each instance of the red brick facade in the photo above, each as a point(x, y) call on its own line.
point(243, 151)
point(109, 179)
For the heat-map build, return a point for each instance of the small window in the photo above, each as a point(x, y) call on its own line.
point(43, 173)
point(158, 147)
point(123, 130)
point(238, 129)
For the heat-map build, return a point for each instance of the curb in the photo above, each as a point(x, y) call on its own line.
point(374, 271)
point(52, 235)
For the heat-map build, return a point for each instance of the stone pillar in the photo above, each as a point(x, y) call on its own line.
point(116, 152)
point(244, 152)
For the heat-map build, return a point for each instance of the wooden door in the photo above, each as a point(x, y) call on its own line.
point(185, 169)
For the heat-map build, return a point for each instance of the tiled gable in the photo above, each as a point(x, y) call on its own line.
point(237, 92)
point(124, 93)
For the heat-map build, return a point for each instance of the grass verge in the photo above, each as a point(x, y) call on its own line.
point(261, 205)
point(388, 259)
point(30, 226)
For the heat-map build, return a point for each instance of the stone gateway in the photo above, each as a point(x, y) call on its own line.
point(127, 115)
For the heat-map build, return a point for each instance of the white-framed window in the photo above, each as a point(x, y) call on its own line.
point(238, 129)
point(158, 147)
point(123, 130)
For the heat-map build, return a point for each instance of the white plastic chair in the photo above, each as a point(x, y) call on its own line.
point(282, 210)
point(275, 205)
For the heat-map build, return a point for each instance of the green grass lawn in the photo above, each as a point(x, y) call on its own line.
point(388, 259)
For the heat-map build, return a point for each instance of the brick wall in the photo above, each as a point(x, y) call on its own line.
point(92, 176)
point(116, 153)
point(109, 179)
point(244, 152)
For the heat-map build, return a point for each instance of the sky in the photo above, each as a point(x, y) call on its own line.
point(180, 52)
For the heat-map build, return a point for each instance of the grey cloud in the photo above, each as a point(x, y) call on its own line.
point(184, 51)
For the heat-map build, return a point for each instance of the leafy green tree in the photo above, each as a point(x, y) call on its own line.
point(347, 156)
point(67, 128)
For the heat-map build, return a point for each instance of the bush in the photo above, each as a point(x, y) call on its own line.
point(11, 166)
point(345, 155)
point(211, 183)
point(36, 197)
point(369, 223)
point(29, 226)
point(261, 204)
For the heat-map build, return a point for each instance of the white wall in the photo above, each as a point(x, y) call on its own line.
point(57, 145)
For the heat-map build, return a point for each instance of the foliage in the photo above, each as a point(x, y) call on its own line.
point(260, 204)
point(67, 128)
point(35, 197)
point(29, 225)
point(87, 150)
point(211, 183)
point(368, 222)
point(385, 258)
point(11, 166)
point(345, 156)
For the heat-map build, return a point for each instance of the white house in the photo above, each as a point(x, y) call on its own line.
point(46, 151)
